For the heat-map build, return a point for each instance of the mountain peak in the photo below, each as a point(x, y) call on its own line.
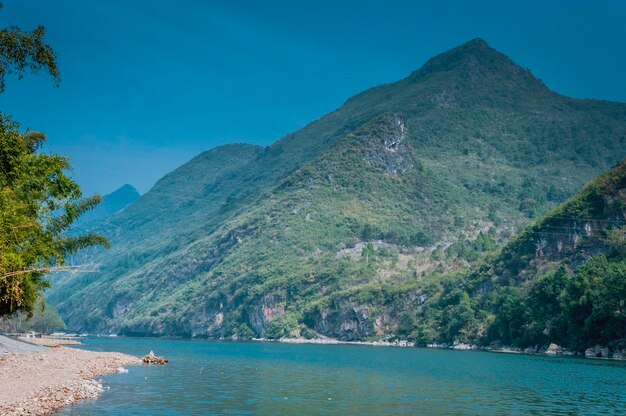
point(466, 56)
point(120, 198)
point(126, 189)
point(479, 64)
point(476, 43)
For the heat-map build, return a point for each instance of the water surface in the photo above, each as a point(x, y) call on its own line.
point(205, 378)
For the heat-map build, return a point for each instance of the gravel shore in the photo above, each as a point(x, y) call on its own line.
point(13, 345)
point(40, 382)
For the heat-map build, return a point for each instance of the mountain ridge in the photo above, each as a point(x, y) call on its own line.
point(562, 280)
point(410, 180)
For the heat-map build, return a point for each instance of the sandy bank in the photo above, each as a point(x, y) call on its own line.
point(38, 383)
point(50, 342)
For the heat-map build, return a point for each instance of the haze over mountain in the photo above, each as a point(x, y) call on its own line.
point(111, 204)
point(330, 229)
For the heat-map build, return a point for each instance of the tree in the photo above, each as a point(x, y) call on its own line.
point(616, 240)
point(45, 319)
point(368, 251)
point(596, 302)
point(38, 201)
point(22, 51)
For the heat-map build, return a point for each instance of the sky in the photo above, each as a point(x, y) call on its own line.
point(147, 85)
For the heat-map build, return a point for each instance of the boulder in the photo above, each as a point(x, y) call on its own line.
point(554, 349)
point(153, 359)
point(596, 352)
point(461, 346)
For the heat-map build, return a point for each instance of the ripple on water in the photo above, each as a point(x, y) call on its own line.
point(269, 378)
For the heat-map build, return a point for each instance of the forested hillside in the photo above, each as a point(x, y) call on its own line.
point(562, 280)
point(340, 228)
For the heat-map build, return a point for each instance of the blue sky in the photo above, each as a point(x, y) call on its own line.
point(146, 85)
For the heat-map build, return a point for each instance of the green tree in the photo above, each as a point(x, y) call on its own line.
point(458, 316)
point(25, 51)
point(45, 319)
point(368, 252)
point(38, 201)
point(544, 307)
point(509, 323)
point(616, 240)
point(596, 303)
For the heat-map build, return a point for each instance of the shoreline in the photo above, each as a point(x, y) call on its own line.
point(552, 351)
point(597, 352)
point(333, 341)
point(42, 382)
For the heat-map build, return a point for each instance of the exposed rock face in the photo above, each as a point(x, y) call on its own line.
point(219, 319)
point(120, 307)
point(345, 324)
point(358, 248)
point(265, 311)
point(554, 349)
point(350, 320)
point(464, 347)
point(388, 148)
point(597, 352)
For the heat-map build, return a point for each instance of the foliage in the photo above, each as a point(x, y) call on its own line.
point(38, 201)
point(578, 311)
point(352, 220)
point(38, 204)
point(45, 319)
point(616, 240)
point(511, 298)
point(21, 51)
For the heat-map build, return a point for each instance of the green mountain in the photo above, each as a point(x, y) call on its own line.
point(332, 229)
point(562, 280)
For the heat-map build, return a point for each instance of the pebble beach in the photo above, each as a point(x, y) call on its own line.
point(42, 381)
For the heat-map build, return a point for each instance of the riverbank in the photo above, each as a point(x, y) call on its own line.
point(41, 382)
point(333, 341)
point(552, 350)
point(50, 342)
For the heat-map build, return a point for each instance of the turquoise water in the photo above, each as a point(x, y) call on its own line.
point(205, 378)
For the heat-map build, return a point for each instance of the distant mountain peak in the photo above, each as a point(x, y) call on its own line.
point(119, 199)
point(111, 203)
point(125, 189)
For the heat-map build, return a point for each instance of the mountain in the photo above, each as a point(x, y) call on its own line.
point(337, 228)
point(111, 204)
point(562, 280)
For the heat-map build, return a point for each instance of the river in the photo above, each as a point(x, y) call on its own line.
point(211, 377)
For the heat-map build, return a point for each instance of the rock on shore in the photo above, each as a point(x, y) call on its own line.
point(39, 383)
